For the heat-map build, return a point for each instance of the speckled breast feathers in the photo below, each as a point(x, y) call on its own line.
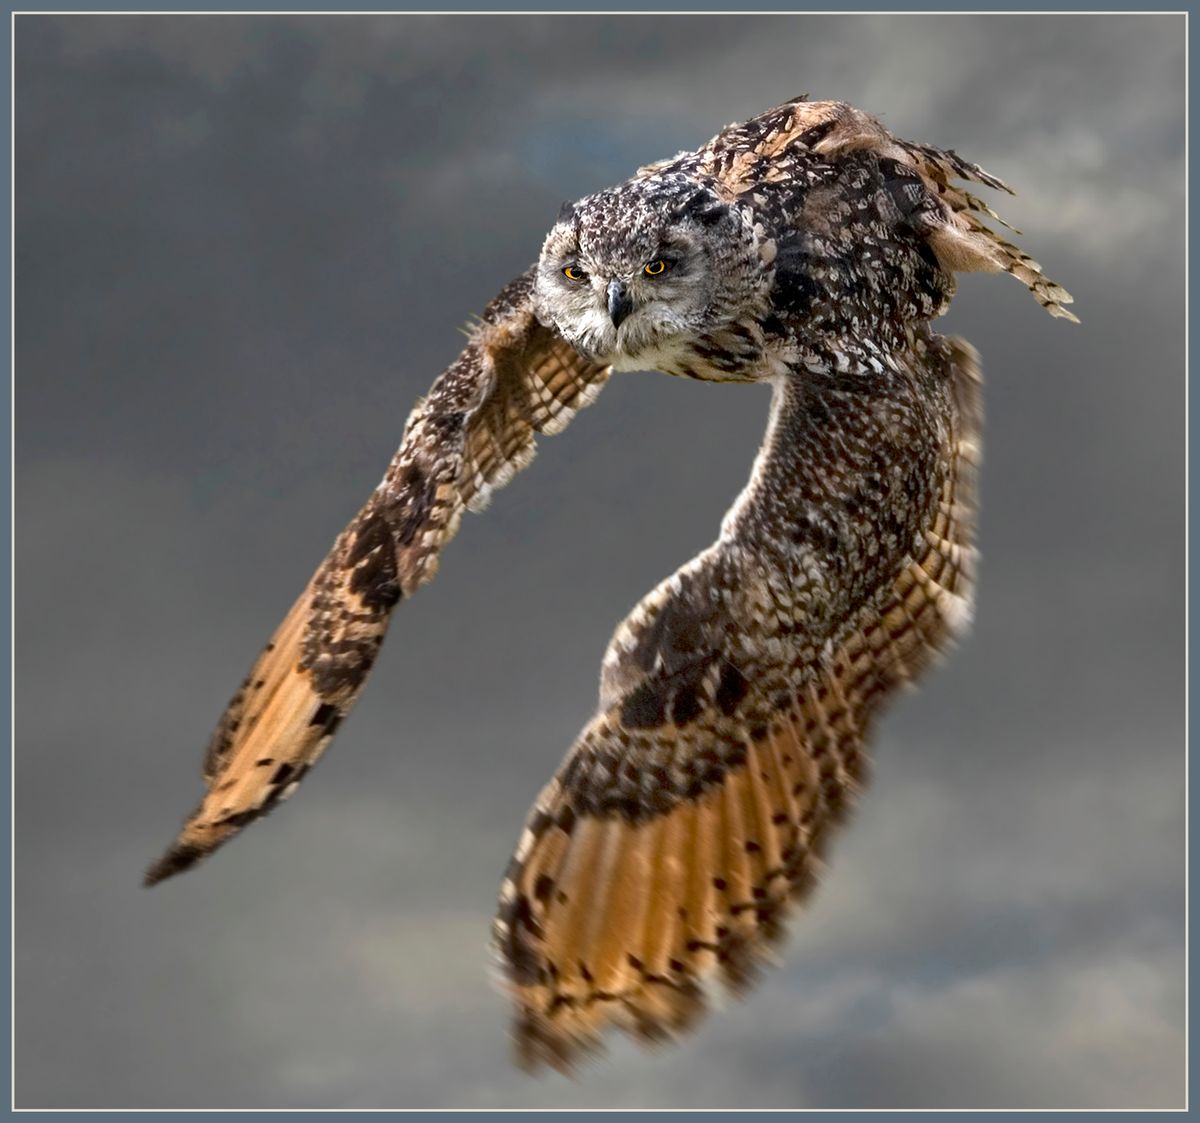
point(808, 248)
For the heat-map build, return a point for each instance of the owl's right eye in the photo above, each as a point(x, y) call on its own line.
point(574, 273)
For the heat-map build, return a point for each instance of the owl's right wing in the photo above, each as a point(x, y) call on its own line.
point(695, 807)
point(515, 379)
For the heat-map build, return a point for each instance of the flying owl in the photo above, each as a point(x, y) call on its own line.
point(808, 248)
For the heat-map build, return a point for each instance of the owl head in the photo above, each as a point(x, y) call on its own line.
point(631, 275)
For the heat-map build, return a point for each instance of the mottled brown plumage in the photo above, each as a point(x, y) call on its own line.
point(515, 379)
point(806, 247)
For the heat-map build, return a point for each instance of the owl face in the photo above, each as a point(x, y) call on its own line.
point(632, 275)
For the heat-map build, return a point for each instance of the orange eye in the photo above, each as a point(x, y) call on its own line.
point(573, 273)
point(654, 268)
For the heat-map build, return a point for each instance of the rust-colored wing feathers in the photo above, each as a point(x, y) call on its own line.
point(298, 691)
point(610, 915)
point(610, 920)
point(748, 154)
point(514, 380)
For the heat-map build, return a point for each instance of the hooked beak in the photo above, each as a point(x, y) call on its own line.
point(619, 304)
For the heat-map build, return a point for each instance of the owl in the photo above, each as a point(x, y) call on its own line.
point(807, 248)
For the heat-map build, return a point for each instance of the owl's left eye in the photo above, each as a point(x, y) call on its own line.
point(654, 268)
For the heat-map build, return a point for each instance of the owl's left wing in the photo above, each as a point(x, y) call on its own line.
point(695, 807)
point(515, 379)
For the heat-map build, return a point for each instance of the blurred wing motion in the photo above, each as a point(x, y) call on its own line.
point(515, 379)
point(695, 806)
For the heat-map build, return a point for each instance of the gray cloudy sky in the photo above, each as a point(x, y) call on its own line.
point(243, 248)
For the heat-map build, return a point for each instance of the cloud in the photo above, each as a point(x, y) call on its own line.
point(243, 245)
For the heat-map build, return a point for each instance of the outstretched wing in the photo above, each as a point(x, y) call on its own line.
point(695, 807)
point(515, 379)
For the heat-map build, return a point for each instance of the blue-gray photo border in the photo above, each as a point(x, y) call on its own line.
point(564, 6)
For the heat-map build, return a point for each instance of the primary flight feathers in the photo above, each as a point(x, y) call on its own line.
point(476, 428)
point(806, 247)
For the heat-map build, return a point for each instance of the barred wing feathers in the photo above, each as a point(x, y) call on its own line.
point(666, 852)
point(476, 428)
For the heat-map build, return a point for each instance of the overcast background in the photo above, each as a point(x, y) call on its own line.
point(244, 246)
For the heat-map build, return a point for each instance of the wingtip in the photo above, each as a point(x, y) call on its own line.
point(180, 857)
point(539, 1047)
